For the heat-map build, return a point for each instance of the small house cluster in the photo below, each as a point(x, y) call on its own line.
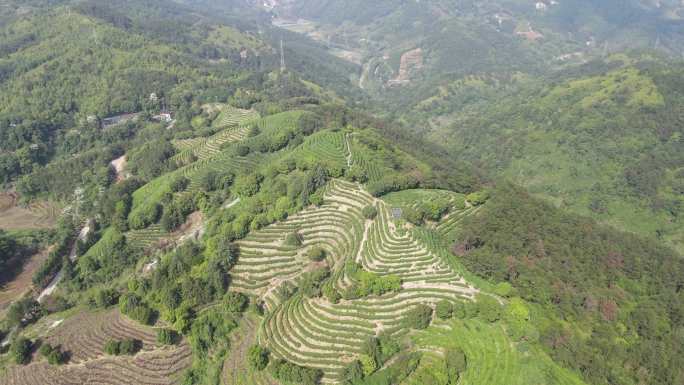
point(164, 116)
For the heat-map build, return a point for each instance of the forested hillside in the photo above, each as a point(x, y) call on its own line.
point(103, 62)
point(607, 304)
point(501, 37)
point(604, 140)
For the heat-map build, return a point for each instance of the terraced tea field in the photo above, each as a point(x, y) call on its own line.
point(204, 148)
point(493, 359)
point(325, 146)
point(145, 238)
point(235, 123)
point(37, 215)
point(324, 335)
point(83, 336)
point(210, 157)
point(231, 116)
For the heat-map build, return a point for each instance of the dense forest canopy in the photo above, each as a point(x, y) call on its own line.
point(606, 284)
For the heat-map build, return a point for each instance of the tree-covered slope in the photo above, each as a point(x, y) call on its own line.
point(604, 141)
point(65, 67)
point(458, 38)
point(606, 303)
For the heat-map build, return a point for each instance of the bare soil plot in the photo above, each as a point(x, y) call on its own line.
point(119, 165)
point(21, 283)
point(38, 215)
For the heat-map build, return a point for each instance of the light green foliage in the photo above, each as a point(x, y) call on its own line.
point(419, 317)
point(316, 254)
point(135, 307)
point(235, 302)
point(23, 311)
point(289, 372)
point(167, 336)
point(144, 216)
point(214, 180)
point(105, 260)
point(517, 310)
point(395, 373)
point(444, 309)
point(368, 364)
point(413, 215)
point(247, 185)
point(211, 329)
point(325, 148)
point(456, 363)
point(112, 347)
point(491, 358)
point(152, 160)
point(257, 357)
point(378, 350)
point(370, 212)
point(477, 198)
point(503, 289)
point(488, 308)
point(626, 86)
point(122, 347)
point(460, 311)
point(331, 293)
point(311, 282)
point(573, 142)
point(372, 283)
point(419, 205)
point(53, 354)
point(103, 298)
point(517, 316)
point(184, 314)
point(20, 350)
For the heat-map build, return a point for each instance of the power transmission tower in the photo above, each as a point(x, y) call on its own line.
point(282, 57)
